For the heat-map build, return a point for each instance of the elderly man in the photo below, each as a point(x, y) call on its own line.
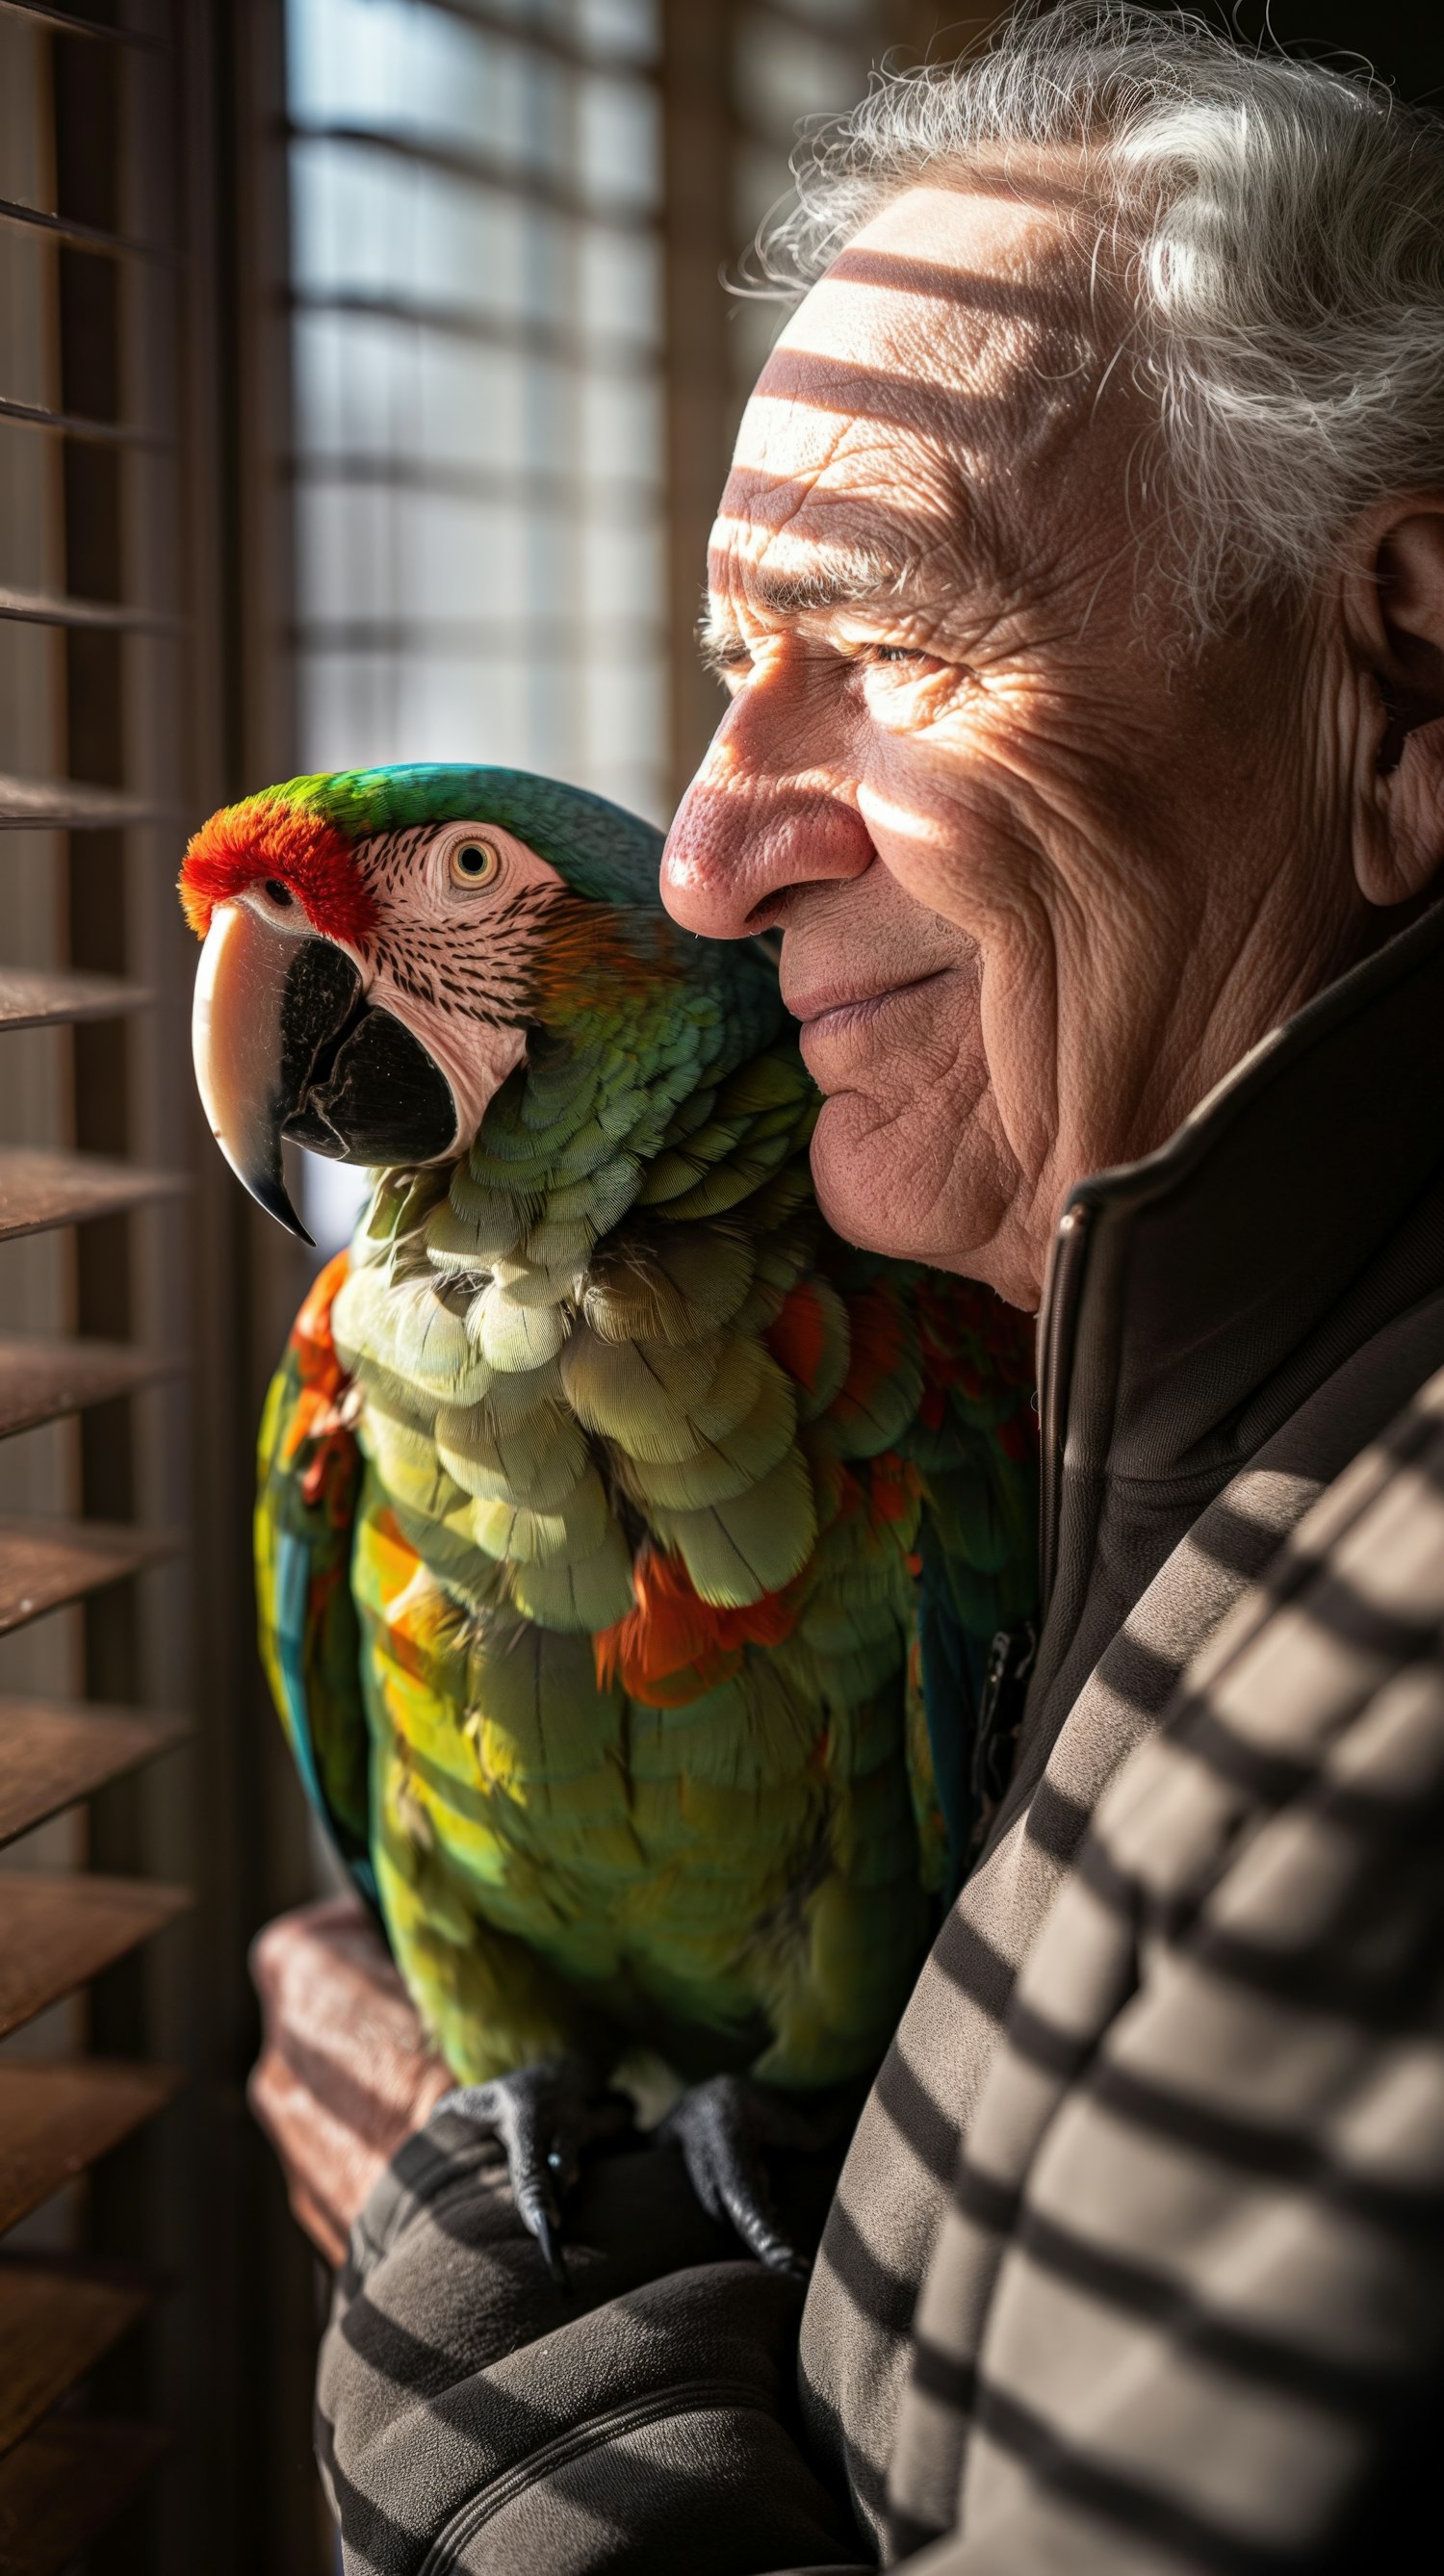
point(1079, 588)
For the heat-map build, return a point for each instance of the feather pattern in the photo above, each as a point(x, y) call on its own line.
point(629, 1547)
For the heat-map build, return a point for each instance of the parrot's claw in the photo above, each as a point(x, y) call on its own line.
point(551, 2246)
point(544, 2116)
point(722, 2129)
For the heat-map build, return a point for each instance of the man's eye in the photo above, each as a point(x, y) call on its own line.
point(728, 661)
point(896, 653)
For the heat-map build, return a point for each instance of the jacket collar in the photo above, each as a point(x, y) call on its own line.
point(1197, 1296)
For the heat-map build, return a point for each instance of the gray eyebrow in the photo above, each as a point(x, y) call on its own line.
point(910, 563)
point(845, 577)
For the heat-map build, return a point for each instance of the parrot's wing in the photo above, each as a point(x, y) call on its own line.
point(974, 1443)
point(309, 1477)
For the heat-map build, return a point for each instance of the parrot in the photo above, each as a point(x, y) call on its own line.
point(634, 1557)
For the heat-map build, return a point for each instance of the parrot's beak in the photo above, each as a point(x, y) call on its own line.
point(286, 1044)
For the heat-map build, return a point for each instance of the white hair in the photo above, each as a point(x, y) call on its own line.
point(1278, 228)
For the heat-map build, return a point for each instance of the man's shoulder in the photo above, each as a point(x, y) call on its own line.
point(1348, 1614)
point(1210, 2148)
point(1318, 1570)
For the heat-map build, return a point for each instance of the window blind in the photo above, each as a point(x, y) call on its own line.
point(82, 800)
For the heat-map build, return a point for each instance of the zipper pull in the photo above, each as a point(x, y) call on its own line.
point(1011, 1657)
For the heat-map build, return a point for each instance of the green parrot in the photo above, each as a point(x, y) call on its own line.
point(630, 1550)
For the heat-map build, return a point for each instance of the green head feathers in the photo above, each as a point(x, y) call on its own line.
point(305, 824)
point(385, 948)
point(604, 852)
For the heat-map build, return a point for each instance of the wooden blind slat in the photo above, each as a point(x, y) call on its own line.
point(41, 1379)
point(29, 999)
point(69, 23)
point(54, 2325)
point(520, 487)
point(44, 1564)
point(56, 2120)
point(41, 1190)
point(482, 171)
point(51, 1754)
point(521, 338)
point(57, 1933)
point(530, 38)
point(79, 236)
point(75, 424)
point(66, 805)
point(65, 2485)
point(539, 639)
point(46, 608)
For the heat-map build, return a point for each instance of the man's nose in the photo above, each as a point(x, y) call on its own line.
point(752, 826)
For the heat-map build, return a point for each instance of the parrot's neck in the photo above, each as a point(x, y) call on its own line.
point(637, 1028)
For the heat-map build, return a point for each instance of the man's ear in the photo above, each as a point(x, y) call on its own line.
point(1394, 601)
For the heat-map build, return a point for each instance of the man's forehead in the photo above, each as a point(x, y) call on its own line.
point(945, 349)
point(969, 284)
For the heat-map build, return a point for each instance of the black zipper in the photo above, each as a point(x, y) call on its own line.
point(1055, 1369)
point(625, 2415)
point(1011, 1657)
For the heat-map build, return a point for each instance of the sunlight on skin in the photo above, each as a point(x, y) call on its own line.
point(1042, 873)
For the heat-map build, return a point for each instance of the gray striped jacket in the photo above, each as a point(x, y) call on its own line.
point(1193, 2259)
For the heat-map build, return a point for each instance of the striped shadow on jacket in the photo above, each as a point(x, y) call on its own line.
point(1192, 2273)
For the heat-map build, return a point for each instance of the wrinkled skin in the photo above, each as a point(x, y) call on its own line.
point(1043, 871)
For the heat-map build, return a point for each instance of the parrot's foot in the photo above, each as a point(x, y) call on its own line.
point(723, 2129)
point(544, 2116)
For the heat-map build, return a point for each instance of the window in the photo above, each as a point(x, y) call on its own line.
point(478, 397)
point(476, 354)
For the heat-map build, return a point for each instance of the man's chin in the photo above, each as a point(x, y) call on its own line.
point(873, 1193)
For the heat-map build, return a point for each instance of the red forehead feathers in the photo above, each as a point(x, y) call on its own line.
point(265, 837)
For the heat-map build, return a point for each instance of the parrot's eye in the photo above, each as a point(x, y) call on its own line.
point(276, 892)
point(473, 863)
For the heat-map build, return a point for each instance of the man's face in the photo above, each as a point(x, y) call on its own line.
point(1040, 878)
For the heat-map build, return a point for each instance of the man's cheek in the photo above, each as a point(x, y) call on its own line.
point(962, 822)
point(934, 845)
